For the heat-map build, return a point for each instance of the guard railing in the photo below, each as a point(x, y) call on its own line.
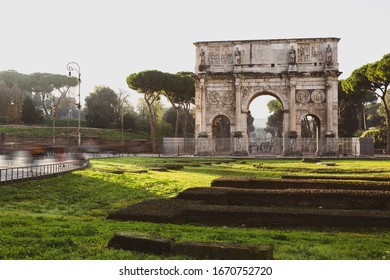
point(22, 173)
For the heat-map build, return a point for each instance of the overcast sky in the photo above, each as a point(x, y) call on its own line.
point(112, 39)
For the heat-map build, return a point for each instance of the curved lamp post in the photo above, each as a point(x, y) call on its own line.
point(73, 66)
point(16, 119)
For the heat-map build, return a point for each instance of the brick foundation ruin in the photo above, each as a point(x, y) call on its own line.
point(256, 202)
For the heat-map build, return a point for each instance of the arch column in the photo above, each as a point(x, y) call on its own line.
point(286, 126)
point(290, 135)
point(203, 105)
point(329, 103)
point(331, 115)
point(240, 135)
point(292, 88)
point(237, 85)
point(202, 147)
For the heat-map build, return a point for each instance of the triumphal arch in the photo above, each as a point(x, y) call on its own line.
point(301, 73)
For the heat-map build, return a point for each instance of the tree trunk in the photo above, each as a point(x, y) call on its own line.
point(152, 125)
point(308, 128)
point(177, 109)
point(360, 117)
point(388, 131)
point(185, 123)
point(385, 105)
point(44, 105)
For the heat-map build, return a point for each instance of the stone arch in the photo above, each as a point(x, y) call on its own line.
point(270, 143)
point(310, 125)
point(310, 133)
point(272, 93)
point(225, 86)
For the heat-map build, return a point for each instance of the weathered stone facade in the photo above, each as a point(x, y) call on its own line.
point(301, 73)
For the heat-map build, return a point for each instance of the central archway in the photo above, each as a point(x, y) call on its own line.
point(265, 124)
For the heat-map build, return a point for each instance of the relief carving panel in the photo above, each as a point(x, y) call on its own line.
point(316, 53)
point(226, 55)
point(215, 98)
point(213, 57)
point(303, 96)
point(216, 110)
point(303, 52)
point(313, 52)
point(316, 96)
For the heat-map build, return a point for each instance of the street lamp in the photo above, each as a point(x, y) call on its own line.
point(16, 119)
point(123, 113)
point(73, 66)
point(122, 126)
point(53, 112)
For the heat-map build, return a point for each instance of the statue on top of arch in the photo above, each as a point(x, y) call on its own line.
point(329, 55)
point(292, 56)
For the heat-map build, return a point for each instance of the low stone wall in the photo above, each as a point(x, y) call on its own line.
point(309, 198)
point(270, 202)
point(154, 244)
point(246, 216)
point(154, 210)
point(138, 242)
point(224, 251)
point(269, 183)
point(177, 211)
point(344, 178)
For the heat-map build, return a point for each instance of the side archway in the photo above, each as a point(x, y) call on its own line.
point(221, 134)
point(310, 134)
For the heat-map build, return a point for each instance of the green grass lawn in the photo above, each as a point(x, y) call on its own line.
point(65, 217)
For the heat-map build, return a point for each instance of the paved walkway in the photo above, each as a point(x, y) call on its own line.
point(21, 168)
point(23, 162)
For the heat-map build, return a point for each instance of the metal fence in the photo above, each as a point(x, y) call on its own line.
point(353, 146)
point(178, 146)
point(23, 173)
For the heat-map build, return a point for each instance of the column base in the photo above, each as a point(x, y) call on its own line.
point(292, 153)
point(240, 153)
point(202, 154)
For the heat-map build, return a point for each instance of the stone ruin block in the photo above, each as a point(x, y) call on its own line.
point(158, 245)
point(224, 251)
point(143, 243)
